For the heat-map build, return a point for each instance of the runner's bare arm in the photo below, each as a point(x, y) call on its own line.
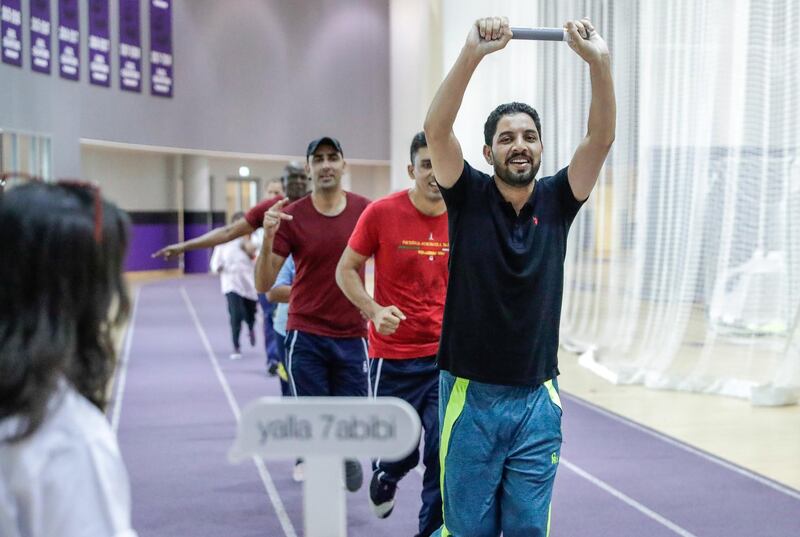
point(215, 237)
point(385, 318)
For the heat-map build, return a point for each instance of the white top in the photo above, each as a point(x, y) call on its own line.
point(67, 479)
point(236, 269)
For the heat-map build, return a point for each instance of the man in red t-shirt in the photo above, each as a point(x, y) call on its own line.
point(407, 234)
point(325, 334)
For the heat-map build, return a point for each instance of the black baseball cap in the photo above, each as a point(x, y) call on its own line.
point(325, 140)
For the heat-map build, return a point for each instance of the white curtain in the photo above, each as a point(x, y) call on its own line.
point(683, 270)
point(416, 70)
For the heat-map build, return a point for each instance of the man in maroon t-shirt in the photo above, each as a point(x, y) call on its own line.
point(325, 334)
point(406, 232)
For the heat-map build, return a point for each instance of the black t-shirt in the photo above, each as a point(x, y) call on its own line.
point(503, 306)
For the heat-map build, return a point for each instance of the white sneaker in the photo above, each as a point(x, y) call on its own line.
point(299, 472)
point(235, 356)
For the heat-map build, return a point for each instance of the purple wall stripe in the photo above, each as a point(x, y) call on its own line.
point(146, 239)
point(196, 262)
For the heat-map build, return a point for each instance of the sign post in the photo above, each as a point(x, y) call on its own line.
point(324, 431)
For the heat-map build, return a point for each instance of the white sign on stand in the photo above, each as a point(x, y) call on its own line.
point(324, 431)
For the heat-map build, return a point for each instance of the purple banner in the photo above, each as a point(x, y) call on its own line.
point(69, 39)
point(99, 44)
point(161, 48)
point(130, 46)
point(40, 36)
point(11, 28)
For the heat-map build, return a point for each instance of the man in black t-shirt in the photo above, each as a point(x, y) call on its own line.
point(499, 408)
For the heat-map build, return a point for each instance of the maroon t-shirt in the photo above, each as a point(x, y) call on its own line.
point(255, 216)
point(316, 242)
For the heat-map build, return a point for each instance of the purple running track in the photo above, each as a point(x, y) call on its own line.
point(177, 422)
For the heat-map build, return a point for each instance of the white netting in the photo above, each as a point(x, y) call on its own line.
point(684, 268)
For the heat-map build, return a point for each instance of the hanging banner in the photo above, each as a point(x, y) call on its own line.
point(11, 28)
point(40, 36)
point(99, 44)
point(69, 39)
point(161, 48)
point(130, 46)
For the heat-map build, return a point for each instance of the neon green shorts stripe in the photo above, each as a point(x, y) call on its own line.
point(553, 393)
point(284, 376)
point(455, 405)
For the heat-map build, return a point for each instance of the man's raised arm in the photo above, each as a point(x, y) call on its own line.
point(268, 264)
point(593, 149)
point(215, 237)
point(485, 36)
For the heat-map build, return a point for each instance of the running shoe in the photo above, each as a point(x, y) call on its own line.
point(381, 495)
point(299, 471)
point(353, 475)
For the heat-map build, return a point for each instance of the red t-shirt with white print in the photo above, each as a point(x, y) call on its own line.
point(411, 251)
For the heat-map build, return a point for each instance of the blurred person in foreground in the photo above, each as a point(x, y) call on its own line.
point(62, 295)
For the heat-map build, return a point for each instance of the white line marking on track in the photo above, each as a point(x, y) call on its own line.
point(266, 478)
point(725, 464)
point(627, 499)
point(122, 375)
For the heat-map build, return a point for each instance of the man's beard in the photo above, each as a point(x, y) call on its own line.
point(510, 178)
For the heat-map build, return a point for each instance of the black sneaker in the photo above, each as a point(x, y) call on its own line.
point(381, 495)
point(353, 475)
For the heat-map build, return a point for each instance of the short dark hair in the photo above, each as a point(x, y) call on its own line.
point(58, 284)
point(417, 143)
point(508, 109)
point(293, 168)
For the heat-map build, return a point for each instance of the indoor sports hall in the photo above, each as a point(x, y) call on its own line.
point(677, 326)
